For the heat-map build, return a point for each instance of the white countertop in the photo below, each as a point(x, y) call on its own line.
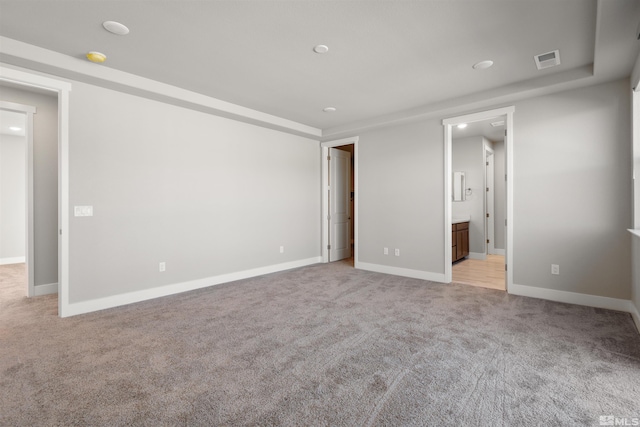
point(461, 219)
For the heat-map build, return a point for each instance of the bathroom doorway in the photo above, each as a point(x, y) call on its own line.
point(477, 147)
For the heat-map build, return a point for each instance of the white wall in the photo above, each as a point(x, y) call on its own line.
point(12, 198)
point(572, 170)
point(400, 201)
point(467, 155)
point(45, 180)
point(572, 174)
point(206, 195)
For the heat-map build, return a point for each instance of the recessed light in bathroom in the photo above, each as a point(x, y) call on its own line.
point(462, 125)
point(115, 28)
point(329, 109)
point(15, 128)
point(497, 124)
point(321, 49)
point(482, 65)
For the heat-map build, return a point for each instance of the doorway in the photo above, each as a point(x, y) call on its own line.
point(34, 82)
point(16, 192)
point(480, 251)
point(477, 147)
point(340, 200)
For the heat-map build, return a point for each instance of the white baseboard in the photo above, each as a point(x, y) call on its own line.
point(404, 272)
point(635, 313)
point(478, 255)
point(578, 299)
point(49, 288)
point(14, 260)
point(498, 252)
point(176, 288)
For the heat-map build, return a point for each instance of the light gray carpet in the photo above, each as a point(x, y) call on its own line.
point(324, 345)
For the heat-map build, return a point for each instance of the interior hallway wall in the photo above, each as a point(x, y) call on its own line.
point(13, 212)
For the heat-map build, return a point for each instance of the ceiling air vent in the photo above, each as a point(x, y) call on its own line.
point(546, 60)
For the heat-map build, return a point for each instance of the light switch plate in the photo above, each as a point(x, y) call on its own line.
point(83, 211)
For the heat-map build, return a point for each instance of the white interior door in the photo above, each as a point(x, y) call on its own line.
point(339, 204)
point(490, 204)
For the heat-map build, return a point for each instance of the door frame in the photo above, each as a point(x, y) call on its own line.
point(28, 111)
point(507, 114)
point(324, 153)
point(62, 89)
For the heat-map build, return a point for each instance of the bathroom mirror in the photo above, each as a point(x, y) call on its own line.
point(458, 187)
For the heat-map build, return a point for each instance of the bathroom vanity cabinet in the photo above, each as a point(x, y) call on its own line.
point(459, 241)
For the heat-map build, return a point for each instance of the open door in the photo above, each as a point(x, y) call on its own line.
point(339, 204)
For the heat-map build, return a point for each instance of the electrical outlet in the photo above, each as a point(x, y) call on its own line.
point(385, 251)
point(397, 252)
point(281, 249)
point(162, 267)
point(555, 269)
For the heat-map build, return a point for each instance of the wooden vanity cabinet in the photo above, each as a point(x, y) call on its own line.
point(459, 241)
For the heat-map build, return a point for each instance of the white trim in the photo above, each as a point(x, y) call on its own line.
point(177, 288)
point(62, 89)
point(404, 272)
point(498, 251)
point(469, 118)
point(508, 145)
point(19, 108)
point(448, 168)
point(30, 237)
point(478, 255)
point(573, 298)
point(634, 232)
point(596, 301)
point(635, 314)
point(13, 260)
point(79, 69)
point(49, 288)
point(324, 152)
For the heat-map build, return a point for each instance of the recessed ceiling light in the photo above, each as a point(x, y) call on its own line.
point(96, 57)
point(321, 49)
point(115, 28)
point(462, 125)
point(329, 109)
point(14, 128)
point(482, 65)
point(497, 124)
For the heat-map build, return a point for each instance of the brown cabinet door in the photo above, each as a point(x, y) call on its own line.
point(459, 244)
point(465, 242)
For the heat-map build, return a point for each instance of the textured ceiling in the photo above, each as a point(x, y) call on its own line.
point(384, 57)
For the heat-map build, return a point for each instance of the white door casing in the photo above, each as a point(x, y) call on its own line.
point(339, 204)
point(507, 113)
point(62, 88)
